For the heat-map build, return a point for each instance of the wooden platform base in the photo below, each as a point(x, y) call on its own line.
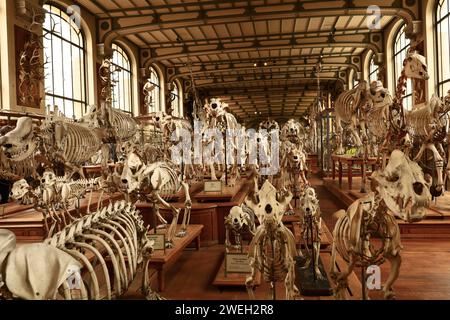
point(435, 225)
point(161, 260)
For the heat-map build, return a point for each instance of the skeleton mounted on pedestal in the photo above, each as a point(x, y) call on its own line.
point(240, 219)
point(272, 249)
point(152, 182)
point(400, 188)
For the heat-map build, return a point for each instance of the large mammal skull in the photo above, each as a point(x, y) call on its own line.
point(236, 218)
point(268, 205)
point(215, 107)
point(415, 66)
point(19, 189)
point(291, 131)
point(379, 95)
point(269, 125)
point(132, 172)
point(296, 158)
point(18, 144)
point(48, 178)
point(403, 187)
point(309, 202)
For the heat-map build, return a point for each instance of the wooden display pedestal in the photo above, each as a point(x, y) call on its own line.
point(233, 279)
point(161, 260)
point(225, 195)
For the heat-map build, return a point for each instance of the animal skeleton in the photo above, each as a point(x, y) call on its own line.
point(272, 249)
point(154, 181)
point(217, 115)
point(311, 225)
point(240, 219)
point(56, 141)
point(116, 233)
point(400, 188)
point(54, 193)
point(347, 108)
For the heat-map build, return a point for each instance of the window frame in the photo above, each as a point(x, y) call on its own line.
point(83, 67)
point(409, 90)
point(440, 82)
point(125, 57)
point(155, 92)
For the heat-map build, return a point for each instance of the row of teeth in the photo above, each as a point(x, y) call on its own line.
point(23, 153)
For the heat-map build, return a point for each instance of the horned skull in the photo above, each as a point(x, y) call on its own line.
point(403, 187)
point(18, 144)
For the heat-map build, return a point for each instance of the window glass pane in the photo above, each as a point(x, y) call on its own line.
point(122, 92)
point(443, 45)
point(154, 103)
point(65, 82)
point(401, 46)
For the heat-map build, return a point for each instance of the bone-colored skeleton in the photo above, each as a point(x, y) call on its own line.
point(272, 249)
point(400, 188)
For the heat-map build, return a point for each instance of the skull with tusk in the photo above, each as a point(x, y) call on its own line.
point(403, 187)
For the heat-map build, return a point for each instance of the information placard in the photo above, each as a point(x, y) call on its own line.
point(213, 186)
point(237, 263)
point(159, 239)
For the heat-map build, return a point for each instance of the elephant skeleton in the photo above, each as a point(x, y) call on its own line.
point(153, 181)
point(272, 249)
point(400, 188)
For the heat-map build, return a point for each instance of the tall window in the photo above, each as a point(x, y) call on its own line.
point(401, 46)
point(65, 82)
point(154, 96)
point(121, 94)
point(177, 104)
point(443, 45)
point(373, 70)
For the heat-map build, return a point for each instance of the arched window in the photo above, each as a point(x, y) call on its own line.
point(154, 97)
point(443, 45)
point(121, 93)
point(177, 104)
point(373, 70)
point(64, 46)
point(401, 46)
